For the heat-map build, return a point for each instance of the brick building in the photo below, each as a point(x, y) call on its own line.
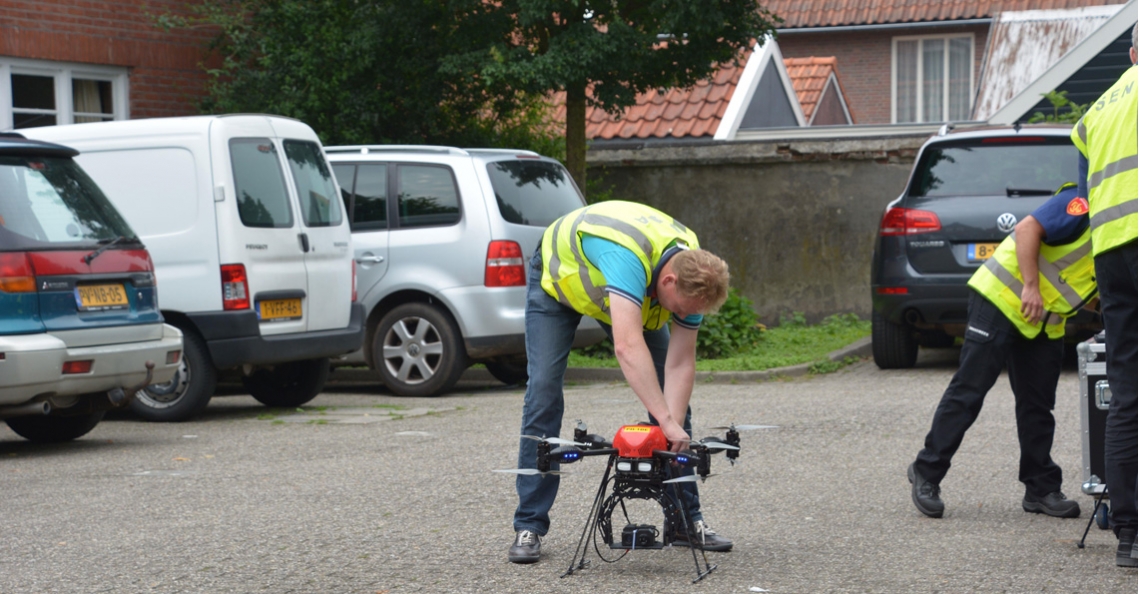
point(71, 61)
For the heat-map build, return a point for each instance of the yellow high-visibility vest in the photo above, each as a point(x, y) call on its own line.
point(1065, 276)
point(1106, 135)
point(569, 277)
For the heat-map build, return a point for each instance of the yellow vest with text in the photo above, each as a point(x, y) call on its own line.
point(1106, 135)
point(1065, 276)
point(569, 277)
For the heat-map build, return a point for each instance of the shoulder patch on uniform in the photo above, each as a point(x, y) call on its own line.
point(1077, 206)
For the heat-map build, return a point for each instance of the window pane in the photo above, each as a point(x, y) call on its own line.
point(371, 210)
point(932, 79)
point(970, 170)
point(315, 188)
point(261, 196)
point(91, 100)
point(32, 120)
point(906, 77)
point(532, 192)
point(345, 176)
point(51, 200)
point(960, 67)
point(427, 197)
point(33, 92)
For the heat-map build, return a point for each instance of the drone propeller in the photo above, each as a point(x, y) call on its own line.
point(528, 471)
point(557, 441)
point(714, 444)
point(743, 427)
point(689, 478)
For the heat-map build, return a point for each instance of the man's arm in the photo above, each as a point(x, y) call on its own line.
point(680, 369)
point(637, 366)
point(1029, 233)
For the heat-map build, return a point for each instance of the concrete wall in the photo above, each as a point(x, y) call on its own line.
point(795, 220)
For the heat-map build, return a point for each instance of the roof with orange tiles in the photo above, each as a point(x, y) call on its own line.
point(835, 13)
point(698, 111)
point(809, 79)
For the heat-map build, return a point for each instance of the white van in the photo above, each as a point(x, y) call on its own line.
point(250, 245)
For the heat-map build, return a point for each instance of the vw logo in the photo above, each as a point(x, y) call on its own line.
point(1006, 222)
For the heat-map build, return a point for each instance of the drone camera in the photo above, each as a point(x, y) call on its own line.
point(639, 536)
point(635, 466)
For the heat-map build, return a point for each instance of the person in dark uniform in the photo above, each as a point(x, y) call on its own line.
point(1106, 137)
point(1019, 299)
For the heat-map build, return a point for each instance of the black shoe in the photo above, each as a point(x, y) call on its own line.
point(924, 494)
point(1126, 549)
point(1053, 504)
point(525, 548)
point(705, 539)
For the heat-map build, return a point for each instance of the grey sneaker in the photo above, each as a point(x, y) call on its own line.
point(924, 494)
point(705, 538)
point(1126, 548)
point(1054, 504)
point(525, 548)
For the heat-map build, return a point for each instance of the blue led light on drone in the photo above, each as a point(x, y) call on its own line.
point(683, 459)
point(568, 456)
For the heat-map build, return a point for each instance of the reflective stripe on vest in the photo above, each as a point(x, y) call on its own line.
point(572, 279)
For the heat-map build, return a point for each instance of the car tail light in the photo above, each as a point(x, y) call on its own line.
point(354, 281)
point(891, 290)
point(16, 274)
point(504, 265)
point(235, 287)
point(172, 357)
point(908, 221)
point(73, 367)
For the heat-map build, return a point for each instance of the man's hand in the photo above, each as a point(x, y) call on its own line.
point(678, 439)
point(1032, 306)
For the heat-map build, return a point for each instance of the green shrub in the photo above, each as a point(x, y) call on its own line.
point(732, 330)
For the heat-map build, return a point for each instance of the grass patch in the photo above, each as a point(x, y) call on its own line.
point(791, 343)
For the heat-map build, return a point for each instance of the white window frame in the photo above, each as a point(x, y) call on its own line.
point(63, 73)
point(918, 84)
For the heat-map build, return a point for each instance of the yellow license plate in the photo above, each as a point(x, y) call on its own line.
point(976, 252)
point(101, 297)
point(279, 310)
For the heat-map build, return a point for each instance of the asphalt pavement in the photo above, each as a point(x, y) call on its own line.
point(362, 492)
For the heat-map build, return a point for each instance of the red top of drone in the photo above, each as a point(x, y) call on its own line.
point(639, 441)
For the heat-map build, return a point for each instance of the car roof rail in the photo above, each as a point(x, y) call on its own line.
point(499, 151)
point(365, 149)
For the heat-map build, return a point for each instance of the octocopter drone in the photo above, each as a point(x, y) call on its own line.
point(641, 466)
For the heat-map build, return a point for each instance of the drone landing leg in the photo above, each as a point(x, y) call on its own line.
point(690, 527)
point(578, 561)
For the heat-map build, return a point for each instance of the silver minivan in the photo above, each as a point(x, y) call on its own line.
point(441, 238)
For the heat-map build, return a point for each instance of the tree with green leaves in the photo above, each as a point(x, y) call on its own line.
point(362, 72)
point(605, 52)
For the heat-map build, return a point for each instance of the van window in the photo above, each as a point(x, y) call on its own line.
point(261, 195)
point(532, 192)
point(427, 196)
point(315, 187)
point(51, 200)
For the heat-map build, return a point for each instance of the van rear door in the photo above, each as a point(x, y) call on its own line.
point(325, 234)
point(259, 230)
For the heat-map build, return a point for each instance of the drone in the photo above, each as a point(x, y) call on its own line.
point(641, 466)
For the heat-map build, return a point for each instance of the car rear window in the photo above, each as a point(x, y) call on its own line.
point(315, 187)
point(533, 192)
point(51, 200)
point(999, 166)
point(261, 195)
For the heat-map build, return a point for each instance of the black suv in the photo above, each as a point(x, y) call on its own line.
point(967, 190)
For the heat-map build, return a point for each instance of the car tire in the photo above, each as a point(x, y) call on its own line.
point(187, 394)
point(54, 429)
point(893, 345)
point(288, 384)
point(418, 350)
point(509, 372)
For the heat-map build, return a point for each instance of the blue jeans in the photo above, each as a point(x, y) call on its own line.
point(550, 328)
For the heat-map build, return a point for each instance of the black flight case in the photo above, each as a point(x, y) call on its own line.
point(1095, 396)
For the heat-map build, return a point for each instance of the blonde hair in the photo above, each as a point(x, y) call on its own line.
point(702, 275)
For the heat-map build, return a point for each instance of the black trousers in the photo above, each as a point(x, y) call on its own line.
point(1116, 280)
point(1034, 367)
